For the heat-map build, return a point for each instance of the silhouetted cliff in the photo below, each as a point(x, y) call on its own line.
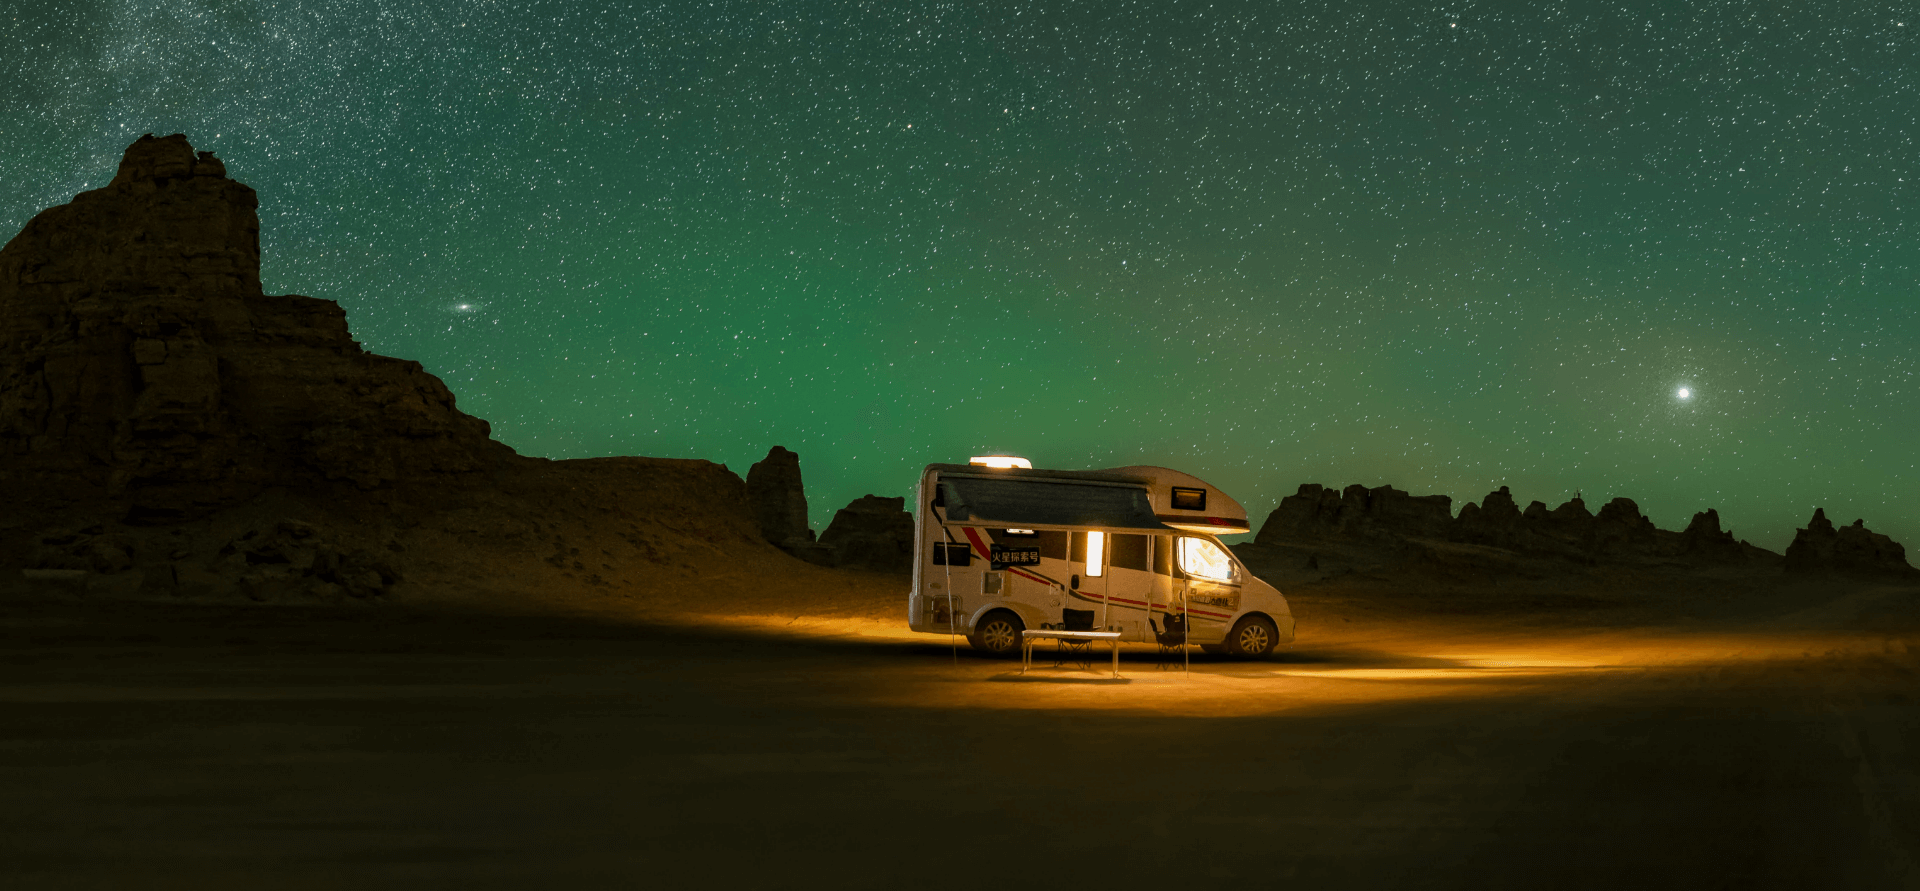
point(140, 361)
point(168, 430)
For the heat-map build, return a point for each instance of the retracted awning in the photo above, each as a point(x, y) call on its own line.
point(1031, 502)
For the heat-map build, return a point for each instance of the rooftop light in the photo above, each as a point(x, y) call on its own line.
point(1000, 462)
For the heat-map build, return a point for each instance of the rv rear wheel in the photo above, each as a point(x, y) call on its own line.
point(1252, 637)
point(998, 634)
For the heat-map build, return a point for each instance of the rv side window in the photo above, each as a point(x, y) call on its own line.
point(1130, 551)
point(1090, 548)
point(1203, 559)
point(951, 554)
point(1053, 545)
point(1189, 499)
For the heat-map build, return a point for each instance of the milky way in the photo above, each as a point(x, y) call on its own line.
point(1443, 247)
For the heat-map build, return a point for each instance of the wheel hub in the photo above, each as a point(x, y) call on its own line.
point(998, 635)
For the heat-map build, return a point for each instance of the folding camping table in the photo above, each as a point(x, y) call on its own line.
point(1030, 637)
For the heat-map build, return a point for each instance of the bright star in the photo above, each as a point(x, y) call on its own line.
point(1683, 393)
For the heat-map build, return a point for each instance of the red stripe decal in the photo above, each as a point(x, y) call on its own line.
point(973, 535)
point(1091, 597)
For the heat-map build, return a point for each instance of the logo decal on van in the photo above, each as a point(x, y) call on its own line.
point(1004, 556)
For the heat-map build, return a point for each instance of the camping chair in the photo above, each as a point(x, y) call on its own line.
point(1079, 652)
point(1172, 638)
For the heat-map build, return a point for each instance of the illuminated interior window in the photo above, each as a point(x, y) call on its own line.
point(1001, 462)
point(1096, 553)
point(1204, 559)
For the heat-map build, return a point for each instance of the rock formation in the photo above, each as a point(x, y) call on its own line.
point(1852, 549)
point(141, 363)
point(168, 430)
point(1390, 522)
point(872, 533)
point(1316, 511)
point(779, 498)
point(1495, 520)
point(1621, 529)
point(1704, 540)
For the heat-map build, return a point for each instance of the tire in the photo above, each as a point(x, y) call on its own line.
point(998, 634)
point(1253, 637)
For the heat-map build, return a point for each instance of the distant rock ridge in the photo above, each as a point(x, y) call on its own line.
point(1318, 511)
point(1851, 549)
point(141, 362)
point(1388, 518)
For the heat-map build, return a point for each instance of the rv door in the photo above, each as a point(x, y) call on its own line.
point(1130, 583)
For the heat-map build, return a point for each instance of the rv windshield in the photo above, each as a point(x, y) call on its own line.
point(1204, 559)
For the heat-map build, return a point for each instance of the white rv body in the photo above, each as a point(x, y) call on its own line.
point(1132, 545)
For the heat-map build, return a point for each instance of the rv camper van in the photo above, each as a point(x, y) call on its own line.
point(1003, 548)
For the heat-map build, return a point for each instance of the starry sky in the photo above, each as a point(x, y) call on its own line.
point(1447, 247)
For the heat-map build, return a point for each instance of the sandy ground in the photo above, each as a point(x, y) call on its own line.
point(1773, 743)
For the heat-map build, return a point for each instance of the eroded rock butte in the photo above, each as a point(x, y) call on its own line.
point(168, 429)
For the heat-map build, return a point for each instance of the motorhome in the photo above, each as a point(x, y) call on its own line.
point(1002, 548)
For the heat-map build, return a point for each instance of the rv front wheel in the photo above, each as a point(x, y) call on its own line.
point(998, 634)
point(1252, 637)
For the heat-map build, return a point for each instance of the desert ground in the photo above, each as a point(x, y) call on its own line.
point(1725, 738)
